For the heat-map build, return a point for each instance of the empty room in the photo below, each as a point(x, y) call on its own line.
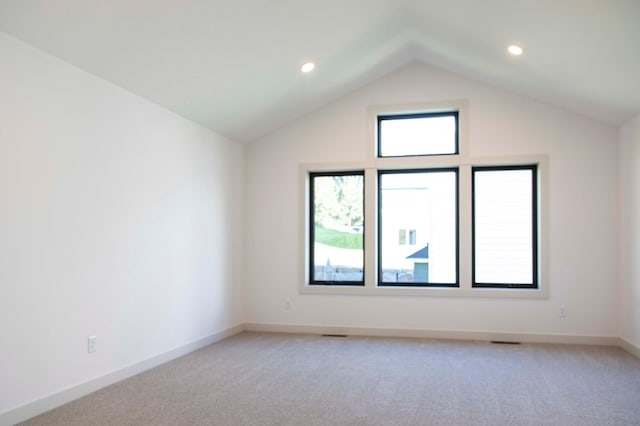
point(357, 212)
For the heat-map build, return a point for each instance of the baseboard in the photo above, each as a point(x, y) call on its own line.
point(629, 347)
point(435, 334)
point(57, 399)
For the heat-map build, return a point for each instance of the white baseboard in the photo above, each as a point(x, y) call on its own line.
point(57, 399)
point(629, 347)
point(436, 334)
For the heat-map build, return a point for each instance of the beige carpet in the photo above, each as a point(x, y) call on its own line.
point(275, 379)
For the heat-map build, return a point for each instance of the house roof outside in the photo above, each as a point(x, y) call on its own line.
point(423, 253)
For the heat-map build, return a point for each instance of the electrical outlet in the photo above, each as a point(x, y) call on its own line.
point(91, 344)
point(563, 311)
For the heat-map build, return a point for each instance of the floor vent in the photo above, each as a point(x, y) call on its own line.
point(504, 342)
point(334, 335)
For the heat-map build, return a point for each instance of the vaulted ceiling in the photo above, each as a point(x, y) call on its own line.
point(233, 66)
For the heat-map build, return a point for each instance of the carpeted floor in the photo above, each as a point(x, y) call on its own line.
point(276, 379)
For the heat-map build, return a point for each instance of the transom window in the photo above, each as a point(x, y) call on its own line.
point(434, 133)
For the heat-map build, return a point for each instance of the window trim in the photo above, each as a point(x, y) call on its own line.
point(461, 106)
point(464, 186)
point(464, 162)
point(534, 226)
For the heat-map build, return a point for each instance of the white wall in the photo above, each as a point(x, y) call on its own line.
point(629, 160)
point(117, 219)
point(582, 212)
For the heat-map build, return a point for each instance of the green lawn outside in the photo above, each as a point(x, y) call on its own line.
point(338, 239)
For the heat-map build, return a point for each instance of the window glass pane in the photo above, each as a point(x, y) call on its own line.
point(425, 203)
point(418, 134)
point(338, 223)
point(504, 226)
point(412, 237)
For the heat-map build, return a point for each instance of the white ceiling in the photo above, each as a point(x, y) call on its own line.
point(233, 66)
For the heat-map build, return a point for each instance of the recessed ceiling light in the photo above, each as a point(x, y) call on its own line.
point(515, 50)
point(307, 67)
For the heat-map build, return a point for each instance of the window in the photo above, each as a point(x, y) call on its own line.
point(505, 226)
point(402, 237)
point(412, 237)
point(425, 201)
point(421, 216)
point(337, 224)
point(434, 133)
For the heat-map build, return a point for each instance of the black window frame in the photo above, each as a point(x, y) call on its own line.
point(380, 283)
point(384, 117)
point(534, 226)
point(311, 279)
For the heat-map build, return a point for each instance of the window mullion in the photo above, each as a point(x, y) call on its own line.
point(464, 226)
point(370, 227)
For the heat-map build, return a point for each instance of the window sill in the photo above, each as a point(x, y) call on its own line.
point(498, 293)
